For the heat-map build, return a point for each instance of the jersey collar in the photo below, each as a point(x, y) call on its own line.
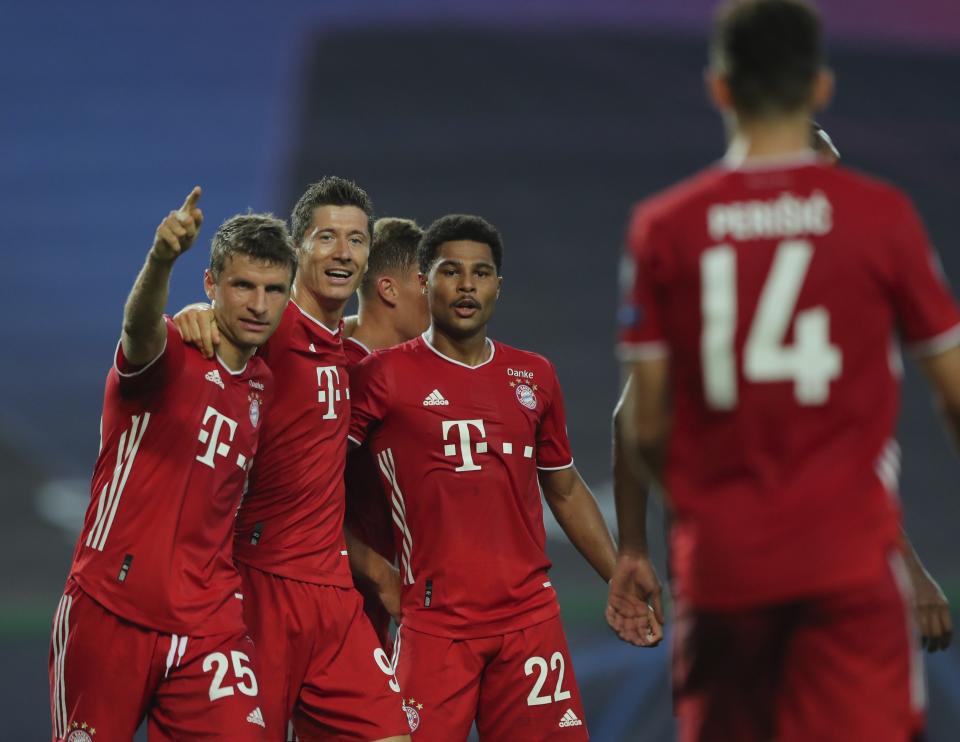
point(317, 322)
point(490, 344)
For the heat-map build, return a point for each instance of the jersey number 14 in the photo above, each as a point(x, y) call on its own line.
point(811, 362)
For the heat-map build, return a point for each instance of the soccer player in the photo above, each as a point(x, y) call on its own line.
point(150, 622)
point(931, 607)
point(321, 667)
point(392, 309)
point(767, 293)
point(465, 432)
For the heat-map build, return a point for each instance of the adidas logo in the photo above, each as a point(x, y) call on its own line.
point(256, 717)
point(570, 719)
point(214, 376)
point(434, 398)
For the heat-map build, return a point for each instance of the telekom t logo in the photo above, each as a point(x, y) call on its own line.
point(215, 447)
point(328, 377)
point(463, 428)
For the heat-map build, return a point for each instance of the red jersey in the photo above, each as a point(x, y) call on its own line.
point(291, 520)
point(177, 439)
point(368, 510)
point(778, 291)
point(458, 449)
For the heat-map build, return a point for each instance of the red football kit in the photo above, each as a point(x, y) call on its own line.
point(778, 291)
point(458, 448)
point(152, 613)
point(300, 600)
point(368, 512)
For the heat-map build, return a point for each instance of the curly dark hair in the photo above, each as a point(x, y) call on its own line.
point(453, 227)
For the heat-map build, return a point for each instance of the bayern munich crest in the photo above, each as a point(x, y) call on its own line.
point(81, 733)
point(526, 396)
point(412, 712)
point(254, 410)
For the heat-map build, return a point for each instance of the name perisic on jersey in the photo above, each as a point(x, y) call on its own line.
point(786, 215)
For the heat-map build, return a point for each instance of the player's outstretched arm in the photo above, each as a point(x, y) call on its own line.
point(930, 605)
point(369, 566)
point(143, 329)
point(197, 324)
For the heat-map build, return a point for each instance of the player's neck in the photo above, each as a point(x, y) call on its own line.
point(470, 351)
point(233, 356)
point(328, 314)
point(376, 331)
point(756, 139)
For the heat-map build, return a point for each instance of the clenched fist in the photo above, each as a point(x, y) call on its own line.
point(178, 230)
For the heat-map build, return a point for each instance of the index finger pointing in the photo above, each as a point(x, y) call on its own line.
point(191, 201)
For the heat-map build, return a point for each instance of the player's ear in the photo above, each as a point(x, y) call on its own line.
point(499, 285)
point(209, 284)
point(718, 90)
point(422, 277)
point(387, 290)
point(822, 89)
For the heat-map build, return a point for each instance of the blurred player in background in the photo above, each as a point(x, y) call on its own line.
point(931, 607)
point(151, 621)
point(465, 432)
point(392, 309)
point(322, 666)
point(768, 292)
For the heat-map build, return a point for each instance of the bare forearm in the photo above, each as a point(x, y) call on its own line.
point(631, 487)
point(143, 328)
point(365, 563)
point(579, 516)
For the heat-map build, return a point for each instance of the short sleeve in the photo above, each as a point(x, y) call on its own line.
point(641, 334)
point(926, 310)
point(136, 380)
point(553, 445)
point(369, 393)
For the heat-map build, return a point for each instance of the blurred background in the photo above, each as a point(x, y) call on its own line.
point(548, 118)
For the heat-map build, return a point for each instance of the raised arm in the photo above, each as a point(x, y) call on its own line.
point(143, 329)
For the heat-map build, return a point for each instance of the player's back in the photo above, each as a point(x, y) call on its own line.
point(177, 440)
point(777, 291)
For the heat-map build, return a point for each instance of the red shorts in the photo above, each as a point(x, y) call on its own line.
point(321, 664)
point(106, 674)
point(842, 666)
point(518, 686)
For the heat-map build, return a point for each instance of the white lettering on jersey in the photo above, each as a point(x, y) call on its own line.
point(328, 377)
point(466, 452)
point(112, 492)
point(785, 216)
point(520, 374)
point(215, 447)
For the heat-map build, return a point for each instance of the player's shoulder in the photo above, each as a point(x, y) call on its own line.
point(355, 351)
point(677, 199)
point(873, 188)
point(395, 354)
point(519, 362)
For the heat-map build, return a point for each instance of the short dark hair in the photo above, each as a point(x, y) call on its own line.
point(453, 227)
point(261, 237)
point(770, 52)
point(328, 191)
point(393, 248)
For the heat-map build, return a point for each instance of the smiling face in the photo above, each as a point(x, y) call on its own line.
point(248, 297)
point(333, 254)
point(462, 288)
